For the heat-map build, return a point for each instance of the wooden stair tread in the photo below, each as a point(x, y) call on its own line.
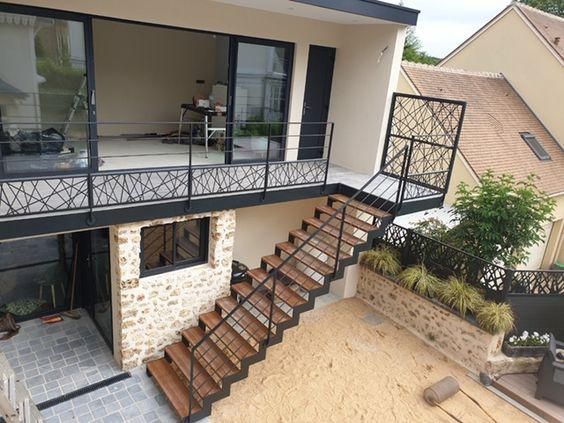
point(333, 231)
point(244, 318)
point(307, 259)
point(365, 208)
point(181, 357)
point(290, 272)
point(319, 244)
point(260, 302)
point(210, 356)
point(350, 220)
point(173, 388)
point(285, 293)
point(232, 342)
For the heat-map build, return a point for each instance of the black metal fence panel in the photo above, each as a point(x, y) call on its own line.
point(445, 260)
point(430, 128)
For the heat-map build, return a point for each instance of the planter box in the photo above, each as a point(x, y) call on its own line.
point(457, 338)
point(523, 351)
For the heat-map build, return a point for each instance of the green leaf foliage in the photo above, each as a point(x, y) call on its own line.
point(419, 279)
point(495, 317)
point(413, 52)
point(555, 7)
point(382, 259)
point(432, 227)
point(459, 295)
point(501, 218)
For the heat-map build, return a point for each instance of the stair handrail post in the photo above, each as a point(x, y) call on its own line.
point(340, 239)
point(271, 311)
point(328, 158)
point(405, 172)
point(401, 180)
point(267, 164)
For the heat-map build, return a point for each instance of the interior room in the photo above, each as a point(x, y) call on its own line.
point(146, 74)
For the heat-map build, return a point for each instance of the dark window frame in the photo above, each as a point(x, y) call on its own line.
point(534, 144)
point(181, 264)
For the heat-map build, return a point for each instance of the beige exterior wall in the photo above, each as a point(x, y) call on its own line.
point(366, 68)
point(260, 228)
point(150, 312)
point(511, 47)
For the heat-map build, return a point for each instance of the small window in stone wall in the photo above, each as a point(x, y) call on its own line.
point(173, 246)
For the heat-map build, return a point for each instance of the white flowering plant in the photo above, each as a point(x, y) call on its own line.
point(527, 339)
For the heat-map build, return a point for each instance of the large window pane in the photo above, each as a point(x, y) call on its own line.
point(260, 101)
point(43, 94)
point(35, 275)
point(180, 244)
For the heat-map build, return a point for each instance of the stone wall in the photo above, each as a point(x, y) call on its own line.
point(455, 337)
point(149, 312)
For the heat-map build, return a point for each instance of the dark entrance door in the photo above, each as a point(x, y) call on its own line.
point(316, 101)
point(93, 278)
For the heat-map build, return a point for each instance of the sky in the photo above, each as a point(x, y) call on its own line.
point(444, 24)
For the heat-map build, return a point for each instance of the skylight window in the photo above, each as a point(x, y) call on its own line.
point(535, 145)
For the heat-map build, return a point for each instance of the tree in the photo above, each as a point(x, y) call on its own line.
point(501, 218)
point(556, 7)
point(413, 52)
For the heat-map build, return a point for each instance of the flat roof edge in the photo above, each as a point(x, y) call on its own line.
point(371, 8)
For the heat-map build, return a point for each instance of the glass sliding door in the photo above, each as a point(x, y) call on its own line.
point(259, 93)
point(44, 98)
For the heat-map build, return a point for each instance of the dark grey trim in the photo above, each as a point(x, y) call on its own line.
point(371, 8)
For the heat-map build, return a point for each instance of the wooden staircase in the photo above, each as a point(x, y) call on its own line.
point(200, 369)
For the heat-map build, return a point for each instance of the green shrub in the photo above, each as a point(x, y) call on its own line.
point(459, 295)
point(419, 279)
point(382, 259)
point(500, 219)
point(495, 317)
point(431, 227)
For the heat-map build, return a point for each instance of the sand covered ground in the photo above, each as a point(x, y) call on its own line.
point(344, 363)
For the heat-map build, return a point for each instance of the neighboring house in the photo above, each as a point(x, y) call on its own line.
point(526, 45)
point(501, 133)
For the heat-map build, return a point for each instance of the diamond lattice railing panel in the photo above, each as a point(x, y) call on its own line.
point(139, 186)
point(227, 178)
point(300, 172)
point(33, 196)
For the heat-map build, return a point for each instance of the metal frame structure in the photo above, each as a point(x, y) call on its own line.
point(431, 128)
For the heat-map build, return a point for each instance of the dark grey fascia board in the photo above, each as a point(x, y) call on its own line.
point(371, 8)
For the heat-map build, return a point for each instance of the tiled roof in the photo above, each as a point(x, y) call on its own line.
point(495, 117)
point(550, 27)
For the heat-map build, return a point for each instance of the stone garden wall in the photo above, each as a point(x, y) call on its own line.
point(150, 312)
point(455, 337)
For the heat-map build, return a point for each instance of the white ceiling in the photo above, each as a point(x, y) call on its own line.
point(288, 7)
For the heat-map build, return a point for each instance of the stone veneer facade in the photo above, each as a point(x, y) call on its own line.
point(456, 338)
point(149, 312)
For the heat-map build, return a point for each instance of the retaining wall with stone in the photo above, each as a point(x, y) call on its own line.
point(457, 338)
point(150, 312)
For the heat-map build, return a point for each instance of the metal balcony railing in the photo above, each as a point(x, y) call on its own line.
point(44, 170)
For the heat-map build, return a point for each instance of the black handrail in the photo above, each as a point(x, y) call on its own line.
point(403, 153)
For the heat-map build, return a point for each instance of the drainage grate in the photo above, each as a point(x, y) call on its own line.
point(84, 390)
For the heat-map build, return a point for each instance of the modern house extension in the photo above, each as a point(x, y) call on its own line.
point(145, 148)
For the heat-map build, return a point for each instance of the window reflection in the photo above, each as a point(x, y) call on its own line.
point(43, 94)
